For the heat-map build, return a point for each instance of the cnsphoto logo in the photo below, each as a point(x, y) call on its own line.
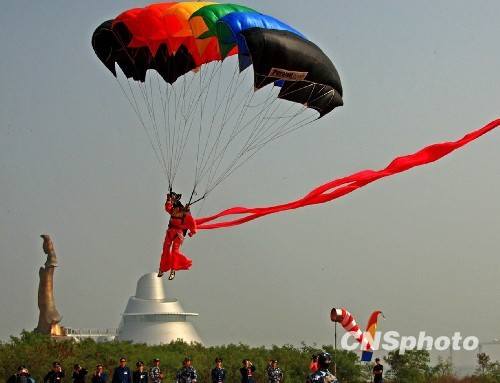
point(393, 340)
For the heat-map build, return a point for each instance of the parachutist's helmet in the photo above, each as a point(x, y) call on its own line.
point(175, 196)
point(324, 360)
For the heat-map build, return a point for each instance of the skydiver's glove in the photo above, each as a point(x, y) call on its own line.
point(329, 379)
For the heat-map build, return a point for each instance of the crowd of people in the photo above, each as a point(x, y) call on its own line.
point(319, 372)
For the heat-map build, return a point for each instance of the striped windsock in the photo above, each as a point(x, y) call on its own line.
point(371, 329)
point(346, 319)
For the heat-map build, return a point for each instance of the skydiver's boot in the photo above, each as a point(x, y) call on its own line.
point(160, 273)
point(172, 275)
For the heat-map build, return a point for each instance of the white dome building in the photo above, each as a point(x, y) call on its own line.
point(151, 318)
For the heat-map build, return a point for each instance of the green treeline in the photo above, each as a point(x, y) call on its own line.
point(37, 352)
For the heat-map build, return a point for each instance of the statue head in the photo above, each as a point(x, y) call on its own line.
point(48, 248)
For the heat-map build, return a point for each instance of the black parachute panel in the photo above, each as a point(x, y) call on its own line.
point(110, 42)
point(308, 76)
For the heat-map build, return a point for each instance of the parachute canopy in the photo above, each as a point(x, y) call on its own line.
point(178, 37)
point(198, 66)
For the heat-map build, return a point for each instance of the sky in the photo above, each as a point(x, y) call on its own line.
point(421, 246)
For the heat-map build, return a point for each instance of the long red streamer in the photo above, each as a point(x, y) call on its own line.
point(337, 188)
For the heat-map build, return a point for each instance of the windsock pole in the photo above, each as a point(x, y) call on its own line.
point(335, 352)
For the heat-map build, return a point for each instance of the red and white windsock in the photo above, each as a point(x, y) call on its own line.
point(346, 319)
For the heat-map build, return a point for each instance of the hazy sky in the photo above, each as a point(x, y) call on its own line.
point(422, 246)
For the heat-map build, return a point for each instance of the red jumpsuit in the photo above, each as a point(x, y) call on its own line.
point(180, 221)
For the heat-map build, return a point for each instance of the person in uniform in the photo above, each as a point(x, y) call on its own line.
point(218, 372)
point(140, 375)
point(122, 373)
point(155, 373)
point(323, 374)
point(181, 221)
point(274, 373)
point(378, 371)
point(313, 366)
point(247, 372)
point(187, 374)
point(21, 376)
point(79, 374)
point(99, 376)
point(56, 375)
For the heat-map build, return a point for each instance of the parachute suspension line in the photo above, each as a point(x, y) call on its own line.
point(235, 133)
point(255, 150)
point(263, 133)
point(194, 103)
point(217, 69)
point(135, 107)
point(259, 139)
point(190, 107)
point(213, 168)
point(206, 89)
point(164, 103)
point(237, 162)
point(241, 121)
point(280, 132)
point(206, 159)
point(234, 163)
point(296, 126)
point(152, 116)
point(199, 165)
point(223, 100)
point(197, 101)
point(245, 100)
point(214, 153)
point(181, 126)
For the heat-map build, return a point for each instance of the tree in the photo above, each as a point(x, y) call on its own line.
point(443, 369)
point(410, 367)
point(486, 370)
point(483, 360)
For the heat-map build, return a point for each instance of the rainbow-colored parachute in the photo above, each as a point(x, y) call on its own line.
point(187, 45)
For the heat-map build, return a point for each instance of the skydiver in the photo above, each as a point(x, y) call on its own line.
point(181, 221)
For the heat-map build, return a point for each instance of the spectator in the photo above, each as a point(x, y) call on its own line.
point(79, 374)
point(99, 376)
point(56, 375)
point(187, 374)
point(313, 366)
point(218, 372)
point(155, 373)
point(274, 373)
point(323, 374)
point(122, 373)
point(378, 371)
point(139, 375)
point(21, 376)
point(247, 371)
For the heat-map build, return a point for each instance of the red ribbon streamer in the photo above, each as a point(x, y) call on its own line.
point(337, 188)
